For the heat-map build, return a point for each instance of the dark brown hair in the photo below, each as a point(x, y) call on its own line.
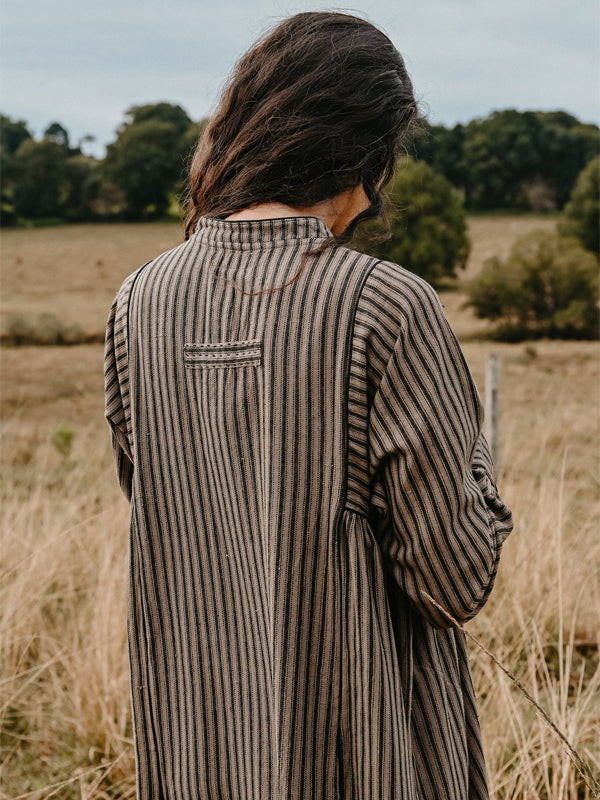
point(320, 104)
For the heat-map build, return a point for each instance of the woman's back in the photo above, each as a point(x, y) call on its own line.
point(298, 491)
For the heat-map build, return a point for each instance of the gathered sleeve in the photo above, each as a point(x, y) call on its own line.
point(116, 393)
point(442, 520)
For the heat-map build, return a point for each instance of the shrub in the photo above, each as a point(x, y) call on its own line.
point(582, 212)
point(548, 286)
point(62, 438)
point(428, 224)
point(18, 329)
point(47, 329)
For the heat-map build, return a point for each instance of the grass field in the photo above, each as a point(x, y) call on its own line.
point(65, 715)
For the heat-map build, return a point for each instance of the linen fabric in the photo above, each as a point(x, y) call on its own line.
point(306, 469)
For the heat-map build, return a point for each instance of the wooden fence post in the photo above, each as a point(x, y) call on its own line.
point(492, 405)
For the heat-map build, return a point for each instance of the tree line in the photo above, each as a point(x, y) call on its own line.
point(140, 175)
point(514, 160)
point(509, 160)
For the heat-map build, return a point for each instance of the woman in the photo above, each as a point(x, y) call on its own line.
point(300, 440)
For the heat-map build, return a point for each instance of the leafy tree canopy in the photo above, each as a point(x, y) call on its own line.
point(56, 133)
point(148, 159)
point(144, 162)
point(42, 182)
point(159, 112)
point(443, 149)
point(12, 134)
point(500, 152)
point(511, 159)
point(582, 212)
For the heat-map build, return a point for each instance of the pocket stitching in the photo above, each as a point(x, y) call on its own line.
point(231, 343)
point(244, 352)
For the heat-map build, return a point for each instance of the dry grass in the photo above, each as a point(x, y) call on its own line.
point(73, 271)
point(64, 707)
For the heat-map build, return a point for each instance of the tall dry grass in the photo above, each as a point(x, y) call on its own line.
point(65, 702)
point(542, 623)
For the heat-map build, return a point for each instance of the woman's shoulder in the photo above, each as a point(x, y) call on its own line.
point(395, 305)
point(393, 296)
point(401, 291)
point(391, 283)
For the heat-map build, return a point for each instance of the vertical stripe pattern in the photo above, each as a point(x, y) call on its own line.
point(304, 467)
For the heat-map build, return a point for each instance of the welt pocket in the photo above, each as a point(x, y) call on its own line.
point(247, 352)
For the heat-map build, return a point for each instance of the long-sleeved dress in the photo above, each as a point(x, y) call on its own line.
point(306, 469)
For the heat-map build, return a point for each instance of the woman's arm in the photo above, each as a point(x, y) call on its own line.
point(443, 522)
point(116, 392)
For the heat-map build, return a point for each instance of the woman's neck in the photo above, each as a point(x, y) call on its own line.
point(336, 212)
point(271, 211)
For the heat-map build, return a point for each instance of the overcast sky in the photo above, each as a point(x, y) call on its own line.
point(84, 63)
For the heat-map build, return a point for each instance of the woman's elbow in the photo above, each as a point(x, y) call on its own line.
point(463, 598)
point(484, 577)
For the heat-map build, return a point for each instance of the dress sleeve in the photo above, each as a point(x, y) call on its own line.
point(116, 394)
point(442, 522)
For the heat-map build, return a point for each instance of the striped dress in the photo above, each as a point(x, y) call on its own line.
point(306, 473)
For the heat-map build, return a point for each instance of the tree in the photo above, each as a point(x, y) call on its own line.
point(565, 146)
point(80, 168)
point(500, 153)
point(582, 212)
point(548, 286)
point(147, 159)
point(42, 184)
point(443, 149)
point(428, 226)
point(12, 135)
point(173, 114)
point(144, 164)
point(57, 134)
point(49, 182)
point(105, 200)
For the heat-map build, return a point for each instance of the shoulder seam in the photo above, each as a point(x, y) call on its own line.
point(131, 288)
point(346, 393)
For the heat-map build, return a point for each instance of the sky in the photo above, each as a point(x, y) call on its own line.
point(85, 63)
